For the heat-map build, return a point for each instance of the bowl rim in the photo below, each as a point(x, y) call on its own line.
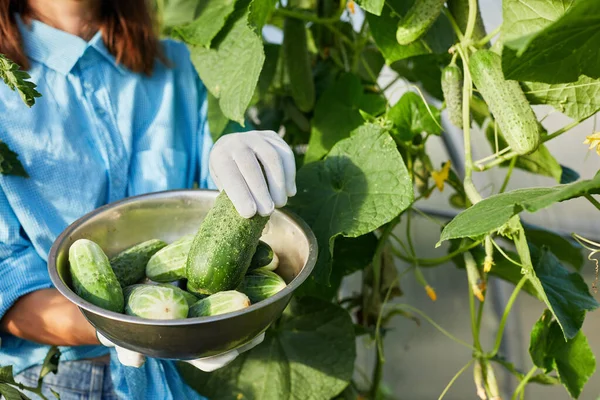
point(66, 291)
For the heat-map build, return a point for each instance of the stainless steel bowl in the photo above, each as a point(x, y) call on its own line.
point(168, 216)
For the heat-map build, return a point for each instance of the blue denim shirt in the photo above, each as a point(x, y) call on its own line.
point(99, 133)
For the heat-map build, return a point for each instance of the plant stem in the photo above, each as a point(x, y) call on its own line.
point(469, 265)
point(432, 262)
point(562, 130)
point(523, 383)
point(504, 319)
point(454, 378)
point(455, 26)
point(435, 325)
point(511, 167)
point(389, 85)
point(471, 20)
point(499, 160)
point(488, 37)
point(377, 376)
point(592, 200)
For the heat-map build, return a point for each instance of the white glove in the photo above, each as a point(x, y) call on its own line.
point(235, 166)
point(207, 364)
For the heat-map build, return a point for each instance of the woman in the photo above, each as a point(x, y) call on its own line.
point(121, 114)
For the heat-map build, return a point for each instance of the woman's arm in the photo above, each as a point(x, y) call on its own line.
point(45, 316)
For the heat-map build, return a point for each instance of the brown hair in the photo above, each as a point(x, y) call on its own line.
point(127, 26)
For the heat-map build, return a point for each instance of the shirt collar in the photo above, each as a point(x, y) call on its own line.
point(60, 50)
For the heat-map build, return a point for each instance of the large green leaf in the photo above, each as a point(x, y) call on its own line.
point(11, 393)
point(566, 250)
point(212, 15)
point(216, 120)
point(10, 163)
point(260, 11)
point(18, 80)
point(336, 115)
point(490, 214)
point(411, 117)
point(372, 6)
point(6, 374)
point(560, 52)
point(383, 28)
point(231, 67)
point(361, 185)
point(309, 355)
point(573, 359)
point(578, 100)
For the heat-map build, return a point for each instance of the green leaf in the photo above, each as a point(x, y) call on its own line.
point(578, 100)
point(565, 249)
point(353, 254)
point(11, 393)
point(267, 74)
point(560, 52)
point(573, 359)
point(425, 70)
point(336, 115)
point(411, 117)
point(231, 67)
point(50, 362)
point(568, 175)
point(10, 163)
point(216, 120)
point(372, 103)
point(260, 10)
point(372, 6)
point(309, 356)
point(211, 18)
point(178, 12)
point(18, 80)
point(370, 65)
point(490, 214)
point(361, 185)
point(6, 374)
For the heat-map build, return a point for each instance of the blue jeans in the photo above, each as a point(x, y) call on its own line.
point(75, 380)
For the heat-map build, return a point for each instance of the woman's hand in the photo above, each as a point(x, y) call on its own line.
point(256, 169)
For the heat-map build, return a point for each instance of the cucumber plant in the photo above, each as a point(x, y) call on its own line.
point(364, 168)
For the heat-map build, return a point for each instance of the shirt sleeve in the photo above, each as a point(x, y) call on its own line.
point(21, 268)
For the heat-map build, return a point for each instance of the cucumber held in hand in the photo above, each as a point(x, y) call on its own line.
point(93, 278)
point(156, 302)
point(130, 265)
point(219, 303)
point(417, 21)
point(261, 284)
point(168, 264)
point(264, 257)
point(506, 101)
point(223, 248)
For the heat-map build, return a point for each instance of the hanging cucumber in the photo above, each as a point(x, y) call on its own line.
point(452, 81)
point(417, 21)
point(223, 248)
point(506, 101)
point(297, 63)
point(93, 278)
point(130, 265)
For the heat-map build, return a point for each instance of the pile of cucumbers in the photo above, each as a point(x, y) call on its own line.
point(226, 266)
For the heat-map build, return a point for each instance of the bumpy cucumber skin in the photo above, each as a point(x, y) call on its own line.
point(130, 265)
point(156, 302)
point(452, 80)
point(460, 11)
point(189, 297)
point(223, 248)
point(417, 21)
point(261, 284)
point(297, 62)
point(219, 303)
point(263, 256)
point(506, 101)
point(93, 278)
point(168, 264)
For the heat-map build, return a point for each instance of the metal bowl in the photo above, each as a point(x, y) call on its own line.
point(168, 216)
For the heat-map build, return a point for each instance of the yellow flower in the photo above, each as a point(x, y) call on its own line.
point(431, 293)
point(594, 141)
point(441, 176)
point(351, 7)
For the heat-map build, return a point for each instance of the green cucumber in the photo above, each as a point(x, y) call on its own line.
point(189, 297)
point(168, 264)
point(264, 257)
point(156, 302)
point(93, 278)
point(506, 101)
point(298, 65)
point(223, 248)
point(261, 284)
point(452, 82)
point(417, 21)
point(219, 303)
point(460, 11)
point(130, 265)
